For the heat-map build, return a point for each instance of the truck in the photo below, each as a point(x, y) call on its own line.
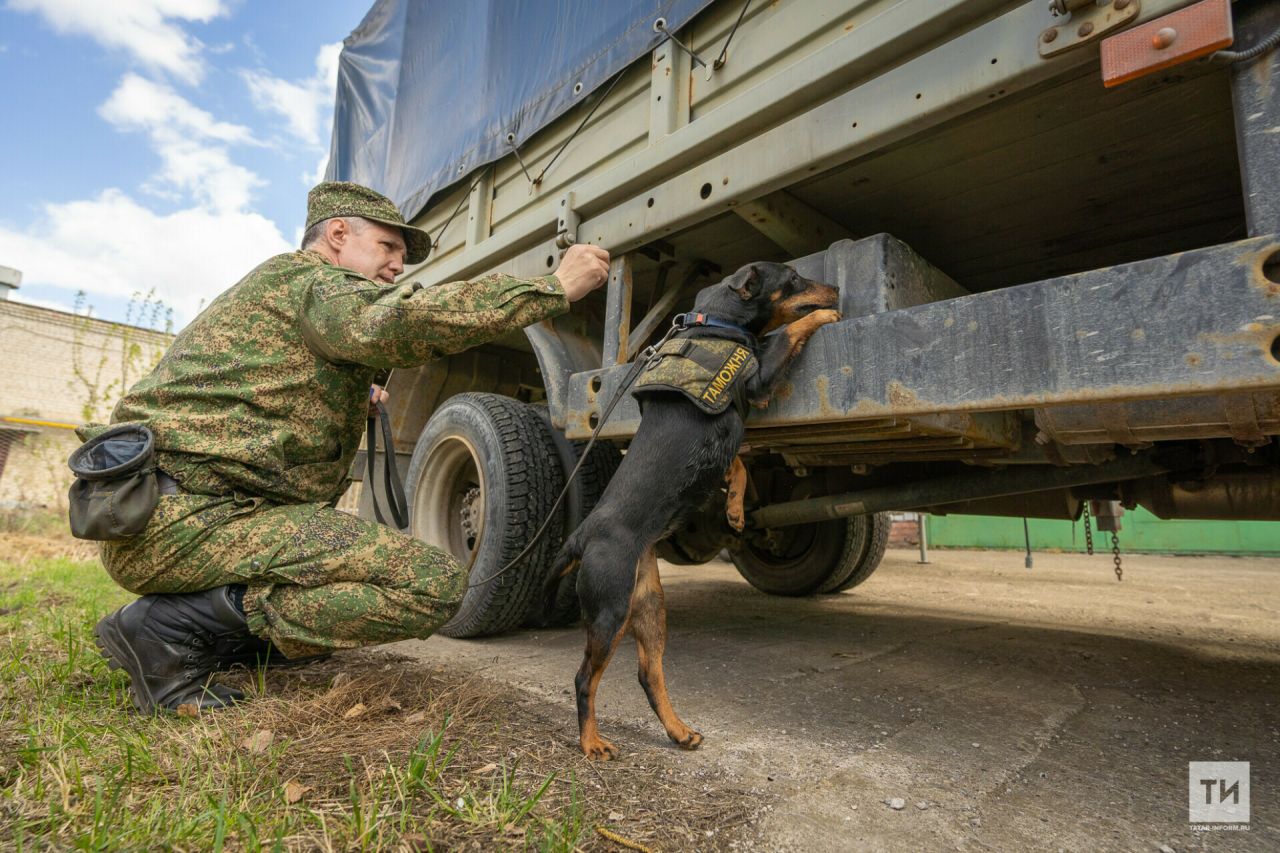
point(1055, 227)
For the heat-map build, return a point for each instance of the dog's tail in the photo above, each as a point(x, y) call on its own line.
point(566, 563)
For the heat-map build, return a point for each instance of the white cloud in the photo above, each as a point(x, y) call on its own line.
point(112, 246)
point(153, 106)
point(141, 28)
point(306, 105)
point(187, 139)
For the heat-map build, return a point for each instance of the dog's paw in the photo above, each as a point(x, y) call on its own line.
point(600, 750)
point(690, 741)
point(736, 519)
point(825, 316)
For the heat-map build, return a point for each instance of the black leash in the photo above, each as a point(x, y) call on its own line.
point(644, 358)
point(397, 504)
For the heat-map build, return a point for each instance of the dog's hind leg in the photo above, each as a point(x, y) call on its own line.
point(648, 624)
point(606, 601)
point(736, 479)
point(599, 650)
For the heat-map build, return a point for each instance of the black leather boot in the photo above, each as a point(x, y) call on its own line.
point(166, 644)
point(252, 652)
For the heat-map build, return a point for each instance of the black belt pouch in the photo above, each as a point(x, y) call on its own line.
point(115, 491)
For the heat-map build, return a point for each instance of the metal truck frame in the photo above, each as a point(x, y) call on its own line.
point(1051, 289)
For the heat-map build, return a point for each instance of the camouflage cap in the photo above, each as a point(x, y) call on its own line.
point(343, 198)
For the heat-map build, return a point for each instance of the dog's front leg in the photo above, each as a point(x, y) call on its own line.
point(780, 352)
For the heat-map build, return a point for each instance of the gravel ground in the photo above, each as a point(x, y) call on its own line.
point(1006, 708)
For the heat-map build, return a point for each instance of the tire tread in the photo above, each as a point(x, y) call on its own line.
point(533, 482)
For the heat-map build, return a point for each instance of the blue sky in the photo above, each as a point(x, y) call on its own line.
point(164, 144)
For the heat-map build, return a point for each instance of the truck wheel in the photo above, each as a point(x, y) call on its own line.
point(601, 464)
point(804, 559)
point(483, 477)
point(875, 539)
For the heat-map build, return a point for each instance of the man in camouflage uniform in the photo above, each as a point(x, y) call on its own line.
point(258, 409)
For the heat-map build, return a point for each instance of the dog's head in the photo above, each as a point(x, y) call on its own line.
point(762, 297)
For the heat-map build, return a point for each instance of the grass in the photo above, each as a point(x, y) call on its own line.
point(369, 751)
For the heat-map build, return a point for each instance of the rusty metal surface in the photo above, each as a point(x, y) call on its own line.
point(986, 435)
point(1088, 23)
point(987, 429)
point(1057, 503)
point(877, 274)
point(416, 393)
point(1177, 37)
point(1195, 323)
point(617, 314)
point(1246, 417)
point(792, 224)
point(1229, 496)
point(964, 487)
point(1256, 103)
point(564, 347)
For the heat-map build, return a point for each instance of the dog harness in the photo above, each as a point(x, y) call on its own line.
point(711, 372)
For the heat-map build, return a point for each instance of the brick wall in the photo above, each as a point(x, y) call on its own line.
point(59, 369)
point(906, 530)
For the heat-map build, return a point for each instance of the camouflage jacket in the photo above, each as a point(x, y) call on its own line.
point(267, 391)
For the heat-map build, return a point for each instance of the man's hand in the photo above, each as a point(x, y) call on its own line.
point(376, 395)
point(584, 268)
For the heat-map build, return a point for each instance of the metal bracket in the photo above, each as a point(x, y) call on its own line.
point(1088, 22)
point(568, 222)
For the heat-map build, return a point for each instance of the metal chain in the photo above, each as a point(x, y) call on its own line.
point(1115, 555)
point(1088, 531)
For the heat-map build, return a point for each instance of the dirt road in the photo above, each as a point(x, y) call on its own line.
point(1011, 709)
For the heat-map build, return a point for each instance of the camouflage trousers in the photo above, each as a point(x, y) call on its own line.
point(318, 579)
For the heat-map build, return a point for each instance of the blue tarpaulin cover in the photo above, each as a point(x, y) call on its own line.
point(429, 89)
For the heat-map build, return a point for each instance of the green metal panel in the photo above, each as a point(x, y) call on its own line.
point(1141, 531)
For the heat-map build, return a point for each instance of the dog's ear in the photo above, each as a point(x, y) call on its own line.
point(745, 282)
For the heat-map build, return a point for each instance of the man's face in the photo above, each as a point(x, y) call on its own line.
point(376, 252)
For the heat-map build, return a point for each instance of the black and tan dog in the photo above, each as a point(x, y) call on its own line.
point(679, 457)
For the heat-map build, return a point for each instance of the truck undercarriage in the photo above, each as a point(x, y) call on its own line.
point(1052, 291)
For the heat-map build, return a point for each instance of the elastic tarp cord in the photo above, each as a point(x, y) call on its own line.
point(461, 202)
point(724, 53)
point(511, 140)
point(537, 182)
point(659, 26)
point(1252, 53)
point(719, 63)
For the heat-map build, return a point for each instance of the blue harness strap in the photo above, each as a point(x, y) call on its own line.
point(692, 319)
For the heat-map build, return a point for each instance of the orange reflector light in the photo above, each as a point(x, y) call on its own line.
point(1177, 37)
